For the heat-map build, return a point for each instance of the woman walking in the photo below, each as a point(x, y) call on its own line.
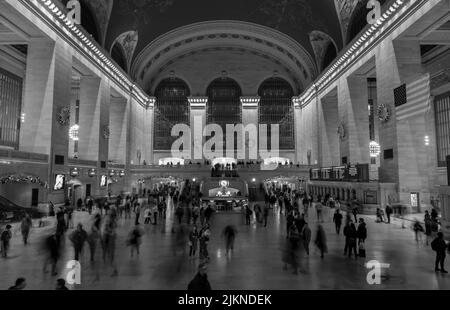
point(321, 241)
point(193, 241)
point(25, 227)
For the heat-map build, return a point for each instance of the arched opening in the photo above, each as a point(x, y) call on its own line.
point(171, 108)
point(119, 56)
point(276, 107)
point(329, 56)
point(358, 20)
point(224, 105)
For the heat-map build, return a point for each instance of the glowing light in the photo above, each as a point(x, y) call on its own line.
point(374, 149)
point(73, 133)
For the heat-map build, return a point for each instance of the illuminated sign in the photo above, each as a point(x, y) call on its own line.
point(224, 183)
point(103, 181)
point(60, 181)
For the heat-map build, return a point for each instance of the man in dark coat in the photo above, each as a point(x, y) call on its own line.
point(78, 238)
point(362, 231)
point(439, 246)
point(337, 219)
point(388, 212)
point(200, 281)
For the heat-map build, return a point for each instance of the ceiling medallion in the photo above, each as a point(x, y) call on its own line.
point(64, 116)
point(384, 112)
point(341, 131)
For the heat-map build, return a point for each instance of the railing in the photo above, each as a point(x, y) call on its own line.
point(24, 156)
point(82, 162)
point(116, 166)
point(203, 168)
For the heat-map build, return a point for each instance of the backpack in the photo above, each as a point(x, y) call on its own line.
point(5, 236)
point(434, 244)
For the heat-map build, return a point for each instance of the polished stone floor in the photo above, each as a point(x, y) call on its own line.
point(255, 263)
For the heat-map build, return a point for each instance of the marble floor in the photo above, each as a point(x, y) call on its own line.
point(255, 263)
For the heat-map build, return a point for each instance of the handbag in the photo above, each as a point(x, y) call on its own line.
point(362, 246)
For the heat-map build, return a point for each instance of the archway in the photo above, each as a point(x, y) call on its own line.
point(171, 108)
point(224, 105)
point(276, 107)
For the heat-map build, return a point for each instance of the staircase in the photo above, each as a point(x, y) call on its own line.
point(11, 212)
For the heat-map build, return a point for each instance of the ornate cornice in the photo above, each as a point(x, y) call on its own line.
point(53, 14)
point(362, 45)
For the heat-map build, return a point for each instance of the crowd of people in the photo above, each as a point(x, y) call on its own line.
point(192, 228)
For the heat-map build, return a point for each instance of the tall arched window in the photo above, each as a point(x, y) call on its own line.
point(119, 56)
point(224, 105)
point(329, 56)
point(276, 107)
point(171, 108)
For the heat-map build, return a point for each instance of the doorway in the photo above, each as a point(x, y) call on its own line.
point(34, 197)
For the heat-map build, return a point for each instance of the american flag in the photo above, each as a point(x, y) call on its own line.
point(413, 99)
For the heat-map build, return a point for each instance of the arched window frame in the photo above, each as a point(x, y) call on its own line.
point(171, 108)
point(224, 108)
point(275, 107)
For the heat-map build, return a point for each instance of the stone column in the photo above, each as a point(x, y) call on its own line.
point(118, 127)
point(149, 123)
point(137, 133)
point(197, 124)
point(250, 117)
point(329, 122)
point(399, 62)
point(354, 119)
point(299, 146)
point(46, 105)
point(307, 132)
point(94, 133)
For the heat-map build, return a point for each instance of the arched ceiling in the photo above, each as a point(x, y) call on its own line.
point(153, 18)
point(282, 51)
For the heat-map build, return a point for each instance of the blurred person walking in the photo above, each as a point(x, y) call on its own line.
point(193, 241)
point(52, 247)
point(200, 281)
point(306, 237)
point(337, 219)
point(319, 209)
point(418, 229)
point(230, 235)
point(94, 236)
point(25, 227)
point(61, 285)
point(321, 241)
point(109, 242)
point(20, 284)
point(439, 246)
point(351, 234)
point(78, 238)
point(5, 238)
point(134, 240)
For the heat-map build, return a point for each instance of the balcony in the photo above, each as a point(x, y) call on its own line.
point(18, 156)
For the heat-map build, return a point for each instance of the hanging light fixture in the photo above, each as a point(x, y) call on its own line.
point(374, 149)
